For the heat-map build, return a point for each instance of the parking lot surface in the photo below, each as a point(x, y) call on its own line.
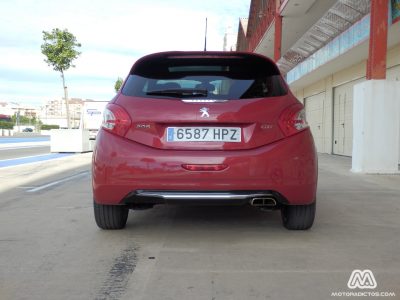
point(50, 247)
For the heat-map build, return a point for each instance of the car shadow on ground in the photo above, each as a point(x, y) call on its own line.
point(205, 218)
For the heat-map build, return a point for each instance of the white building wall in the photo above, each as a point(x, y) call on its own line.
point(328, 115)
point(62, 122)
point(394, 74)
point(376, 127)
point(348, 76)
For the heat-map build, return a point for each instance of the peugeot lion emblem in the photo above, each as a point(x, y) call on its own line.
point(204, 112)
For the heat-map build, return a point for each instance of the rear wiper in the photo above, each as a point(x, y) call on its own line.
point(181, 93)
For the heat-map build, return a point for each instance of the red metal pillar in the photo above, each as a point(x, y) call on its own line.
point(376, 64)
point(278, 32)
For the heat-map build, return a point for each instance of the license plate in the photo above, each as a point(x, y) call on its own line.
point(204, 134)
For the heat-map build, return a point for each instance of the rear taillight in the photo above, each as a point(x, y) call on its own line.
point(116, 120)
point(293, 120)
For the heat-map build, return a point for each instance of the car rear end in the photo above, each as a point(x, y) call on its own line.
point(204, 128)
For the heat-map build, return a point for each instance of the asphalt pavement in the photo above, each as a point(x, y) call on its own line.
point(17, 147)
point(20, 150)
point(50, 247)
point(23, 152)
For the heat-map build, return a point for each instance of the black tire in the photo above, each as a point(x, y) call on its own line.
point(110, 216)
point(298, 217)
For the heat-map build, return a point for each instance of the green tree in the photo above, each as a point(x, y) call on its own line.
point(118, 84)
point(22, 120)
point(60, 49)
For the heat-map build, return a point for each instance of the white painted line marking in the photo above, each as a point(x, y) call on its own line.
point(45, 186)
point(23, 147)
point(64, 157)
point(24, 157)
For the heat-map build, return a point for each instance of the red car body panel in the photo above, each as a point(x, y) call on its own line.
point(121, 166)
point(258, 119)
point(266, 159)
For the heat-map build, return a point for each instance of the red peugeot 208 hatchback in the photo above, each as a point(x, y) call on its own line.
point(204, 128)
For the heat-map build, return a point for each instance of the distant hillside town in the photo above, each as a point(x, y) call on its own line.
point(52, 112)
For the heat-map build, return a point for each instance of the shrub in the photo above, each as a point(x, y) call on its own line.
point(6, 125)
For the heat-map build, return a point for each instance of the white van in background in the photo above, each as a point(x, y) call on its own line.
point(92, 116)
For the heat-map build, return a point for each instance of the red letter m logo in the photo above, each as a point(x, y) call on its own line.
point(362, 280)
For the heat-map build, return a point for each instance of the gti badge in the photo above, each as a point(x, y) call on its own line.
point(204, 112)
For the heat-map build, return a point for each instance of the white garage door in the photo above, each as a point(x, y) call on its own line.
point(314, 106)
point(343, 118)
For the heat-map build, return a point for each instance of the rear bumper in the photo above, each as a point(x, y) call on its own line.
point(122, 167)
point(257, 198)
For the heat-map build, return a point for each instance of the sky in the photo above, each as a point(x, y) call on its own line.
point(113, 34)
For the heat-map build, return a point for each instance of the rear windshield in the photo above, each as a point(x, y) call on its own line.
point(230, 77)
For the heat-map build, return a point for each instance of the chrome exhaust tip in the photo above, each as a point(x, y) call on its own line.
point(263, 202)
